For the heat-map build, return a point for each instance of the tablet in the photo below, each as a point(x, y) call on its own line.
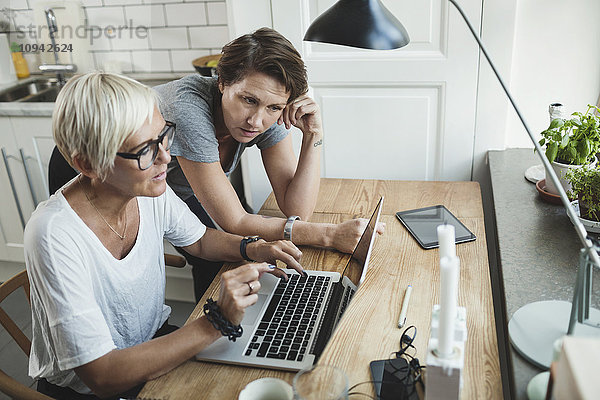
point(422, 223)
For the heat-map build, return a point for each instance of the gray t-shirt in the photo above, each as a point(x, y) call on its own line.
point(189, 103)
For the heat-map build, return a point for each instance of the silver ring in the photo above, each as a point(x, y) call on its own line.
point(250, 287)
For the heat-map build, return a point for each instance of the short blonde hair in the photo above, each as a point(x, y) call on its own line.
point(95, 113)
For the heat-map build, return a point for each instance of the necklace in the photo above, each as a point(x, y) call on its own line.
point(122, 237)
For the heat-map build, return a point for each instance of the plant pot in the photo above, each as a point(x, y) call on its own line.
point(561, 171)
point(584, 209)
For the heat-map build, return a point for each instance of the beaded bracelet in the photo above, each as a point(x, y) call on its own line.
point(214, 316)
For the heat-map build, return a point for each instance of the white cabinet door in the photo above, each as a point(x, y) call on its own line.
point(398, 114)
point(14, 201)
point(33, 136)
point(26, 144)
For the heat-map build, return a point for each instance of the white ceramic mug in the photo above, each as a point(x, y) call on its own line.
point(267, 389)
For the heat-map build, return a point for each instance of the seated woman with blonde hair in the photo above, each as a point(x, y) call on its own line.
point(94, 250)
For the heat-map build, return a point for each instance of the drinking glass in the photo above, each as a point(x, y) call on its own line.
point(321, 382)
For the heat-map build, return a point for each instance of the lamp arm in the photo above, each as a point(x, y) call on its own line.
point(579, 228)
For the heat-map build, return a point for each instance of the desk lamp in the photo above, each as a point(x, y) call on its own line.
point(368, 24)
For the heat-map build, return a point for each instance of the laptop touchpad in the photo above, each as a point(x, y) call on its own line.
point(253, 311)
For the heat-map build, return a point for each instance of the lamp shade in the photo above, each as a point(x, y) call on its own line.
point(365, 24)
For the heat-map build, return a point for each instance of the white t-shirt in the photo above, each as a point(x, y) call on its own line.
point(84, 302)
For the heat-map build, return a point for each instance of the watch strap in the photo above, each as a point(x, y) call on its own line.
point(244, 243)
point(287, 229)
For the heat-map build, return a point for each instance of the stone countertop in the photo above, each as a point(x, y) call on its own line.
point(16, 109)
point(537, 245)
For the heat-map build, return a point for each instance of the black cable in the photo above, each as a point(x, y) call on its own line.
point(350, 393)
point(362, 383)
point(364, 394)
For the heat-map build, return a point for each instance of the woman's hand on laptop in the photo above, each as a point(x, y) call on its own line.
point(347, 234)
point(239, 288)
point(282, 250)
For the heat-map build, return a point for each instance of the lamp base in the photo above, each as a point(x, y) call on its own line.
point(535, 326)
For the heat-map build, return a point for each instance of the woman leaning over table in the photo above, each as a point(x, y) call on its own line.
point(259, 94)
point(94, 250)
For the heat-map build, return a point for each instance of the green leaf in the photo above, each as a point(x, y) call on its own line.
point(583, 148)
point(542, 141)
point(570, 154)
point(564, 141)
point(556, 123)
point(551, 151)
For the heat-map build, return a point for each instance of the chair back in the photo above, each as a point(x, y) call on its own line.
point(8, 385)
point(18, 281)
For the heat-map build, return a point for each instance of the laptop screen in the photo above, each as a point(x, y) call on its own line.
point(357, 265)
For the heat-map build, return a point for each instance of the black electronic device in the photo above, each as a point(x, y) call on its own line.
point(422, 224)
point(393, 379)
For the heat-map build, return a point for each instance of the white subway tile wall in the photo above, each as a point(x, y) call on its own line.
point(186, 14)
point(14, 4)
point(140, 35)
point(217, 13)
point(145, 15)
point(91, 3)
point(113, 61)
point(207, 36)
point(152, 61)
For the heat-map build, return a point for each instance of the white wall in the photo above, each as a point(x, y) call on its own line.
point(131, 35)
point(556, 58)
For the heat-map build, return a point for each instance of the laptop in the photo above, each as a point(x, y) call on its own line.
point(290, 324)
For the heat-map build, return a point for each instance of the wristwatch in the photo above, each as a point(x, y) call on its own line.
point(287, 229)
point(244, 243)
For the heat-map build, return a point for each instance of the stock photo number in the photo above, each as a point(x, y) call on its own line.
point(46, 48)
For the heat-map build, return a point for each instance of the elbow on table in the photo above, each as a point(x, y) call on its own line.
point(106, 384)
point(301, 211)
point(104, 388)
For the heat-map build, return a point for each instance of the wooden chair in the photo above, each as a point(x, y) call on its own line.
point(8, 385)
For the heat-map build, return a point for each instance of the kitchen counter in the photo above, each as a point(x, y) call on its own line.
point(537, 247)
point(17, 109)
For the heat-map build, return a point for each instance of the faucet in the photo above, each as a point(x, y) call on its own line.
point(57, 67)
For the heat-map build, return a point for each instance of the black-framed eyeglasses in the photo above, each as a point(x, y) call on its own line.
point(147, 155)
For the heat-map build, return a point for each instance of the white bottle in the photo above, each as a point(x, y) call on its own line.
point(556, 110)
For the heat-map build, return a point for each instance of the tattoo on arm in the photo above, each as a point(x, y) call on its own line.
point(318, 143)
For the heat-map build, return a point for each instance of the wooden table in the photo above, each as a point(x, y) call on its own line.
point(368, 329)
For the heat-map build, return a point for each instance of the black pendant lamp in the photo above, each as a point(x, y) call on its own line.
point(365, 24)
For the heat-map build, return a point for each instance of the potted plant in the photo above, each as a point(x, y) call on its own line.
point(585, 185)
point(571, 143)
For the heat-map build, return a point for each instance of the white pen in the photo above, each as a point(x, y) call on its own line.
point(404, 309)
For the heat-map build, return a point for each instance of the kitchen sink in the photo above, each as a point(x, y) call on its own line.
point(46, 96)
point(45, 90)
point(28, 91)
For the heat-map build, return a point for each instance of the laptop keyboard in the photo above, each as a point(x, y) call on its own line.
point(347, 296)
point(290, 319)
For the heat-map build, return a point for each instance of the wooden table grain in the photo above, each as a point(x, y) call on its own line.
point(368, 330)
